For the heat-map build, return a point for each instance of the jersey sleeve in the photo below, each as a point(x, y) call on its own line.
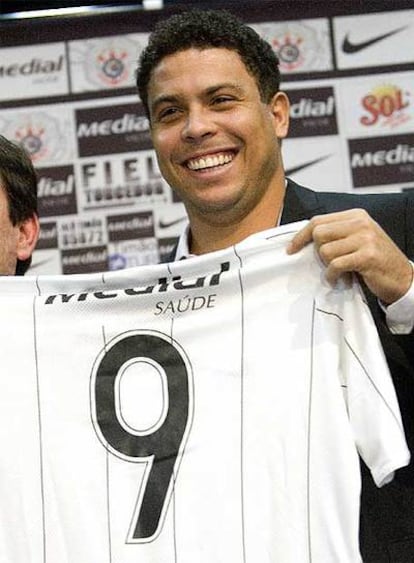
point(371, 399)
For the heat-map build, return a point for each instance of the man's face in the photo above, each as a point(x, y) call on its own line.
point(217, 143)
point(9, 237)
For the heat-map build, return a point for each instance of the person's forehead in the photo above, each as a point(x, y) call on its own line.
point(197, 66)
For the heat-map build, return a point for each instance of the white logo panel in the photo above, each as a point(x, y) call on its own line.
point(105, 63)
point(301, 46)
point(46, 132)
point(33, 71)
point(375, 105)
point(318, 165)
point(374, 39)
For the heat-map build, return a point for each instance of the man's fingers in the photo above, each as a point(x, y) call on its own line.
point(301, 239)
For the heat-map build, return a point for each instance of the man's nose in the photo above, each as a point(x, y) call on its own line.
point(198, 125)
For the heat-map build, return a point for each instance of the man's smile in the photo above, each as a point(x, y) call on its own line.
point(209, 161)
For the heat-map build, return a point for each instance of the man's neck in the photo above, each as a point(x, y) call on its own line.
point(215, 232)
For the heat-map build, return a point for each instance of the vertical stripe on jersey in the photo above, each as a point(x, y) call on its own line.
point(40, 425)
point(242, 320)
point(308, 481)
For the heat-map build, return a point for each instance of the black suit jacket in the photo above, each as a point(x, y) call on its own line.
point(387, 514)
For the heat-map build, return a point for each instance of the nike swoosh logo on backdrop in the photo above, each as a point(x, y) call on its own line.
point(39, 263)
point(350, 48)
point(166, 224)
point(300, 167)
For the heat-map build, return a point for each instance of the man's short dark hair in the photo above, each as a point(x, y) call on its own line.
point(19, 182)
point(203, 29)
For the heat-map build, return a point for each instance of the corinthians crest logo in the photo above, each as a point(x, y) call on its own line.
point(106, 62)
point(300, 47)
point(111, 66)
point(289, 51)
point(41, 135)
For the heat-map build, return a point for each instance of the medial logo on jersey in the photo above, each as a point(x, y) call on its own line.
point(118, 180)
point(33, 71)
point(84, 260)
point(385, 160)
point(312, 112)
point(105, 62)
point(300, 46)
point(112, 129)
point(56, 191)
point(130, 226)
point(369, 40)
point(47, 135)
point(80, 233)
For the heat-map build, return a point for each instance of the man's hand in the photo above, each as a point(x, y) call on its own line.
point(350, 241)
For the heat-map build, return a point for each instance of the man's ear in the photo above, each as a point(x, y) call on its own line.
point(280, 106)
point(28, 234)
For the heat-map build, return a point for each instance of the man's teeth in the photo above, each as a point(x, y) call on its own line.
point(209, 161)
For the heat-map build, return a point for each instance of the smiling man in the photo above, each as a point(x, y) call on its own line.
point(19, 224)
point(210, 86)
point(212, 133)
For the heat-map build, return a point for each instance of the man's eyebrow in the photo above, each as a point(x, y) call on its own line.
point(164, 99)
point(173, 99)
point(224, 86)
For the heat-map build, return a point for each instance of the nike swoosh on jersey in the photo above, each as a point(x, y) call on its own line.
point(300, 167)
point(166, 224)
point(350, 47)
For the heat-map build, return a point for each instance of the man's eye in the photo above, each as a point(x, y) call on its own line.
point(167, 113)
point(222, 99)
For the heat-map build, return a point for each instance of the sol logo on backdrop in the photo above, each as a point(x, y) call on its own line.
point(385, 106)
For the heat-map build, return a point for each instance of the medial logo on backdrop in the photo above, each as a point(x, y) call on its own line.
point(105, 63)
point(386, 107)
point(84, 260)
point(300, 46)
point(33, 71)
point(130, 226)
point(312, 112)
point(112, 129)
point(46, 257)
point(56, 191)
point(48, 236)
point(166, 246)
point(385, 160)
point(78, 233)
point(45, 136)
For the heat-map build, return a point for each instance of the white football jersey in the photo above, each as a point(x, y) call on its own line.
point(210, 410)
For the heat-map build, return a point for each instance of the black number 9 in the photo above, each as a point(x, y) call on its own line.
point(163, 448)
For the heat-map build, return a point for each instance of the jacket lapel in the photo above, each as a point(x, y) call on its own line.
point(300, 203)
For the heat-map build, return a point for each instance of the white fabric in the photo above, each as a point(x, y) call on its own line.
point(399, 316)
point(232, 391)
